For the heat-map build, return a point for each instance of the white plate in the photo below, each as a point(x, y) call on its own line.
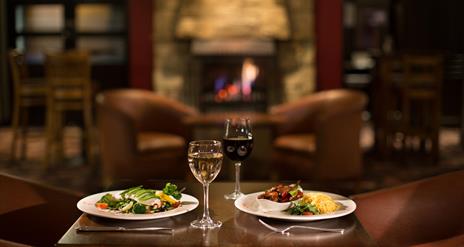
point(249, 204)
point(87, 205)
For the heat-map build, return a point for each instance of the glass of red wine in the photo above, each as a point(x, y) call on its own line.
point(237, 145)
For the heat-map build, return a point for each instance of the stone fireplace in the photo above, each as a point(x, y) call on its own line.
point(234, 55)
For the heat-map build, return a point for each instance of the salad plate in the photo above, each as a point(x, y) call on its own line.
point(249, 204)
point(87, 205)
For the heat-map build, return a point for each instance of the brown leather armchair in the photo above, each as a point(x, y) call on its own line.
point(319, 139)
point(142, 136)
point(34, 214)
point(427, 212)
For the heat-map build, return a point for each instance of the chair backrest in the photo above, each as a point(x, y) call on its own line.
point(69, 69)
point(18, 67)
point(68, 76)
point(68, 65)
point(423, 71)
point(390, 74)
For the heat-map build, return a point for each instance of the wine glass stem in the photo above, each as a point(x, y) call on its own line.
point(237, 177)
point(206, 201)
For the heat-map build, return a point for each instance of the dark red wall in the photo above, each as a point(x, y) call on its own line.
point(140, 43)
point(329, 41)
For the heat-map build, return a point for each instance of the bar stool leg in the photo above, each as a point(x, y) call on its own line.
point(49, 136)
point(24, 132)
point(59, 136)
point(88, 133)
point(14, 128)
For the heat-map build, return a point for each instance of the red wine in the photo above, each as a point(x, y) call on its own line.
point(238, 148)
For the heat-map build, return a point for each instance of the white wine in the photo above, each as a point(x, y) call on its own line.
point(205, 166)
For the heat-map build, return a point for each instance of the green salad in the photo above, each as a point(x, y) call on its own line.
point(138, 200)
point(302, 208)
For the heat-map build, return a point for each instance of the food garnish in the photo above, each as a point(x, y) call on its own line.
point(283, 193)
point(171, 189)
point(138, 200)
point(313, 204)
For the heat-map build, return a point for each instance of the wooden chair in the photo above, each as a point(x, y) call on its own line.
point(421, 105)
point(69, 89)
point(28, 92)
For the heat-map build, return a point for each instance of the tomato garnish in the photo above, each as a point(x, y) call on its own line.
point(101, 205)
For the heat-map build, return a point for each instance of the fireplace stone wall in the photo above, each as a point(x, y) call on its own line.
point(295, 54)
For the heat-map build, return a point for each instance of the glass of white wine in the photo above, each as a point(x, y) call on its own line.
point(205, 161)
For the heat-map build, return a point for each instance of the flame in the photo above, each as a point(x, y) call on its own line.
point(239, 88)
point(249, 74)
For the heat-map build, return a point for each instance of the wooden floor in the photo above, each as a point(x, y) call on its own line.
point(73, 173)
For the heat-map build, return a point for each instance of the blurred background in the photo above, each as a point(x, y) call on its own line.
point(407, 57)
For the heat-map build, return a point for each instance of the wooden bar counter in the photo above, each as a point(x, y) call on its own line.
point(238, 229)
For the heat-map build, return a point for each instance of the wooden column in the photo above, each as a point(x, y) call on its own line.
point(140, 43)
point(329, 43)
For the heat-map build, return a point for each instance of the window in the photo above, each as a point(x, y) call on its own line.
point(47, 26)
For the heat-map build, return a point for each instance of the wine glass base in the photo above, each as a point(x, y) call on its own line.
point(234, 195)
point(206, 223)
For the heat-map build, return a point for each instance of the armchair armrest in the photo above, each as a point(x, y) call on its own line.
point(418, 212)
point(310, 112)
point(117, 138)
point(298, 116)
point(338, 103)
point(151, 112)
point(337, 129)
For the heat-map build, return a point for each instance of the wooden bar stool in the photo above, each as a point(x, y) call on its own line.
point(28, 92)
point(387, 114)
point(421, 103)
point(69, 89)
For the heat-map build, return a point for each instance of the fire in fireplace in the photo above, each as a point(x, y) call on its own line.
point(235, 83)
point(237, 87)
point(234, 80)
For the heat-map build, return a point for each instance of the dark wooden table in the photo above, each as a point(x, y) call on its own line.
point(238, 229)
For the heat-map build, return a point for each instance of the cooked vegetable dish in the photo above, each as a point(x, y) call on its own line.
point(283, 193)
